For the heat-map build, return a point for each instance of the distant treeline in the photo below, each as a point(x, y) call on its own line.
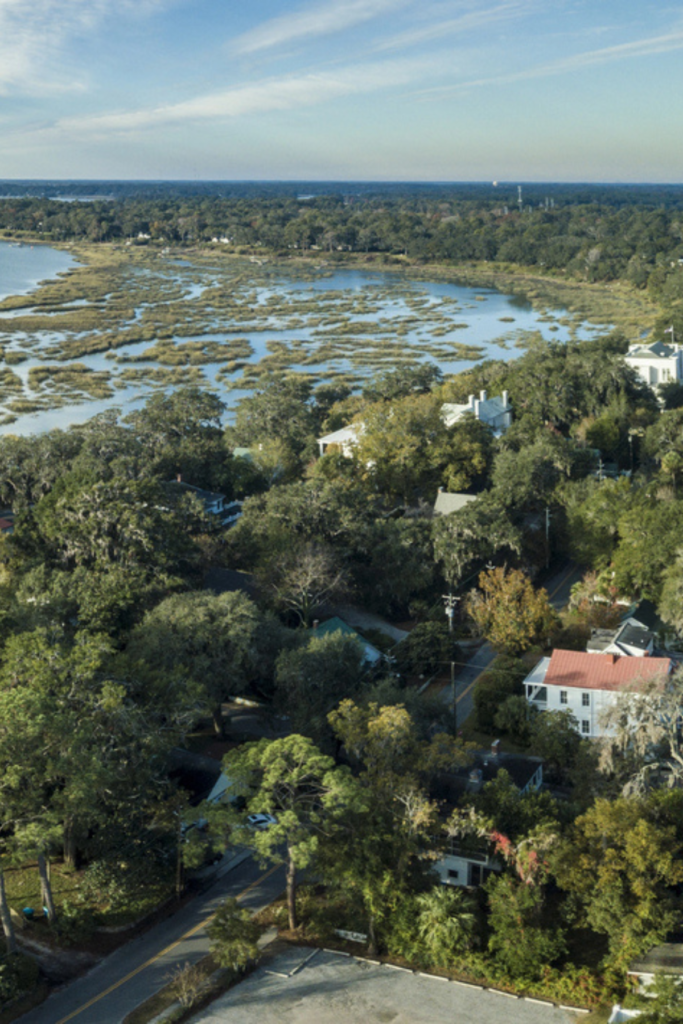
point(593, 233)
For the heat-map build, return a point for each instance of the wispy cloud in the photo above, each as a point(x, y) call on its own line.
point(652, 46)
point(34, 36)
point(309, 22)
point(465, 22)
point(282, 93)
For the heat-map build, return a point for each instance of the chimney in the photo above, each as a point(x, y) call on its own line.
point(495, 748)
point(482, 395)
point(179, 478)
point(477, 403)
point(316, 623)
point(506, 400)
point(470, 401)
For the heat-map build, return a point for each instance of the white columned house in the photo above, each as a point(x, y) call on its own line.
point(656, 364)
point(588, 684)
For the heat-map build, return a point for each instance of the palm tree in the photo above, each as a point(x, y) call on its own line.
point(445, 924)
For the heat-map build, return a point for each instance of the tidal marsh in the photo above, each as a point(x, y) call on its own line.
point(124, 319)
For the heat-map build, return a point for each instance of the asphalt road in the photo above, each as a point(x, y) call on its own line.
point(559, 588)
point(140, 968)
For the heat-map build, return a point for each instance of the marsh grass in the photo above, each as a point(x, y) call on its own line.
point(161, 320)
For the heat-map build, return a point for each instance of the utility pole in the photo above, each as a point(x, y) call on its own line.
point(547, 537)
point(450, 602)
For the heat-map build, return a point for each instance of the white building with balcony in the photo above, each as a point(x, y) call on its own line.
point(588, 684)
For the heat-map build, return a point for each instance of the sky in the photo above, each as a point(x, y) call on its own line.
point(388, 90)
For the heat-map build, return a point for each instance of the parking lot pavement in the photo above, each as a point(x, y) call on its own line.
point(302, 986)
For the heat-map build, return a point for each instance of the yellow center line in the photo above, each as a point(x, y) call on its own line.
point(562, 582)
point(163, 952)
point(484, 670)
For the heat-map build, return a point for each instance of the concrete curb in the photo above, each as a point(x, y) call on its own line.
point(455, 981)
point(301, 966)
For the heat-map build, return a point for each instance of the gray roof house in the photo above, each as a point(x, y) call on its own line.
point(628, 639)
point(449, 501)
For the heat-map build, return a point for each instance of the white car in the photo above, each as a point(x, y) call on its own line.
point(261, 821)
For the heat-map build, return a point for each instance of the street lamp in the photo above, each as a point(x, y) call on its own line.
point(450, 602)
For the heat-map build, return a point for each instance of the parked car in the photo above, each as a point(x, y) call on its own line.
point(261, 821)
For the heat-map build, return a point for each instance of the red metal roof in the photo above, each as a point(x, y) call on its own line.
point(603, 671)
point(5, 524)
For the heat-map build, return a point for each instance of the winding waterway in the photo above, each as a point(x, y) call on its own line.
point(230, 323)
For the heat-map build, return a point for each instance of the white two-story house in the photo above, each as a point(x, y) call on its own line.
point(656, 364)
point(495, 412)
point(587, 684)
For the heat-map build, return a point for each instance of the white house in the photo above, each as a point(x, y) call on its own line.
point(588, 684)
point(346, 439)
point(628, 639)
point(469, 861)
point(656, 364)
point(494, 412)
point(466, 864)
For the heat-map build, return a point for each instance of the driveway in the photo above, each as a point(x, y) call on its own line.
point(368, 620)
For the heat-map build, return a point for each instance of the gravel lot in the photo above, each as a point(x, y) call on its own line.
point(333, 989)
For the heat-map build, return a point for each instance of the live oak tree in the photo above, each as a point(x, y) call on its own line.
point(77, 744)
point(477, 532)
point(181, 433)
point(643, 746)
point(292, 780)
point(199, 645)
point(312, 678)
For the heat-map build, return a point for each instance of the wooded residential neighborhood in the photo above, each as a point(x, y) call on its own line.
point(243, 624)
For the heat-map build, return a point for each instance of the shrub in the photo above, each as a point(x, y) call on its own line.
point(187, 983)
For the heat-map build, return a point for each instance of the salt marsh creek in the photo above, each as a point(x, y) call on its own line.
point(100, 326)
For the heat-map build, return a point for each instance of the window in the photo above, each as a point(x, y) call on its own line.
point(585, 700)
point(453, 874)
point(563, 696)
point(585, 727)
